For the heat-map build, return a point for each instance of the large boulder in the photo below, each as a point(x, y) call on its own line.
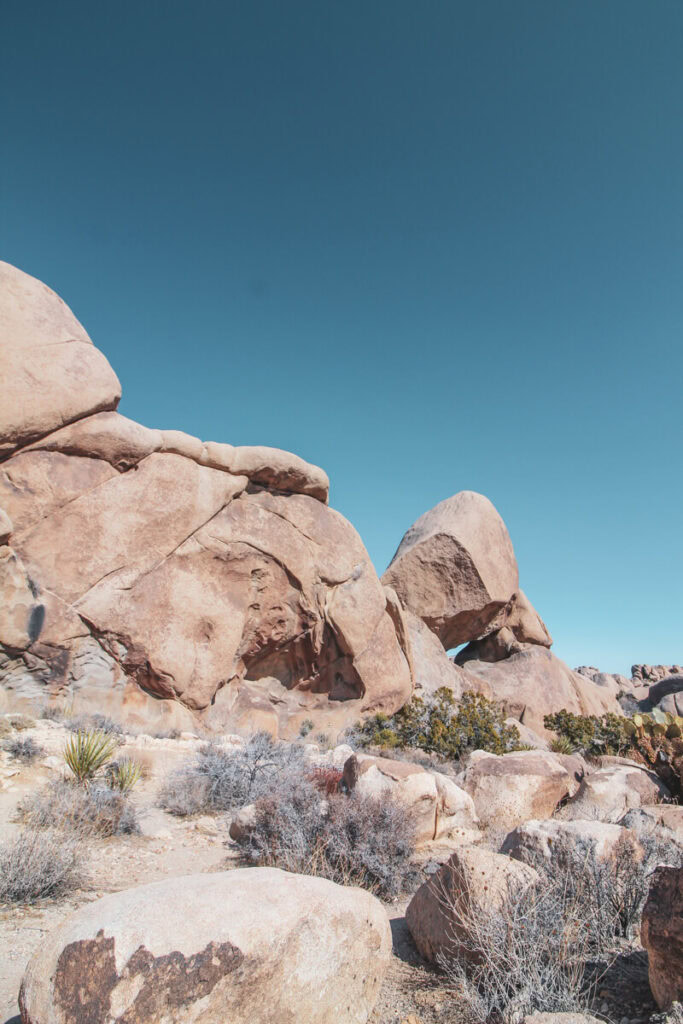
point(557, 844)
point(252, 946)
point(52, 373)
point(614, 789)
point(438, 805)
point(455, 568)
point(533, 683)
point(146, 570)
point(661, 933)
point(472, 883)
point(509, 789)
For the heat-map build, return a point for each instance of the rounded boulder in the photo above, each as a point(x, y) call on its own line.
point(254, 945)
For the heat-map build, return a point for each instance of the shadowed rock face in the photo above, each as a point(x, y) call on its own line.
point(455, 568)
point(147, 572)
point(249, 946)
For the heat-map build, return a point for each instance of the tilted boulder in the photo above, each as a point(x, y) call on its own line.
point(455, 568)
point(473, 883)
point(439, 805)
point(251, 946)
point(509, 789)
point(661, 934)
point(155, 576)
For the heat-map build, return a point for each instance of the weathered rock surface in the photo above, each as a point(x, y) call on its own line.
point(252, 946)
point(534, 683)
point(439, 806)
point(667, 816)
point(51, 372)
point(509, 789)
point(156, 576)
point(556, 844)
point(455, 568)
point(612, 790)
point(473, 882)
point(662, 935)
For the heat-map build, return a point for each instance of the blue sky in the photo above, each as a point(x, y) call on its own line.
point(430, 247)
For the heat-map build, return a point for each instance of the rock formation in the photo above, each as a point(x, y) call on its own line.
point(147, 573)
point(159, 578)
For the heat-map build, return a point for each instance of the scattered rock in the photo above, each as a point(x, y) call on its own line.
point(250, 945)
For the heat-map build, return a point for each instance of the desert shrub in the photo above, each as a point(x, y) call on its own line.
point(305, 727)
point(36, 865)
point(326, 778)
point(167, 734)
point(24, 749)
point(529, 954)
point(123, 774)
point(353, 840)
point(52, 713)
point(442, 725)
point(588, 734)
point(86, 754)
point(222, 780)
point(643, 738)
point(95, 722)
point(92, 810)
point(19, 722)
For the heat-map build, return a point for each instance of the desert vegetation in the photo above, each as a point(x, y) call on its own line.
point(654, 739)
point(442, 725)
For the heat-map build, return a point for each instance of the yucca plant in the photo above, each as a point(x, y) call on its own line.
point(561, 745)
point(86, 753)
point(124, 774)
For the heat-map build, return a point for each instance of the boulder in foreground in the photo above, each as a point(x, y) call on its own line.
point(250, 946)
point(662, 935)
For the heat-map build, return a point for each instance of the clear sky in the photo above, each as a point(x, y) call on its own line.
point(429, 246)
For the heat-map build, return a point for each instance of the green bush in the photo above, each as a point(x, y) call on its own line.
point(442, 725)
point(588, 734)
